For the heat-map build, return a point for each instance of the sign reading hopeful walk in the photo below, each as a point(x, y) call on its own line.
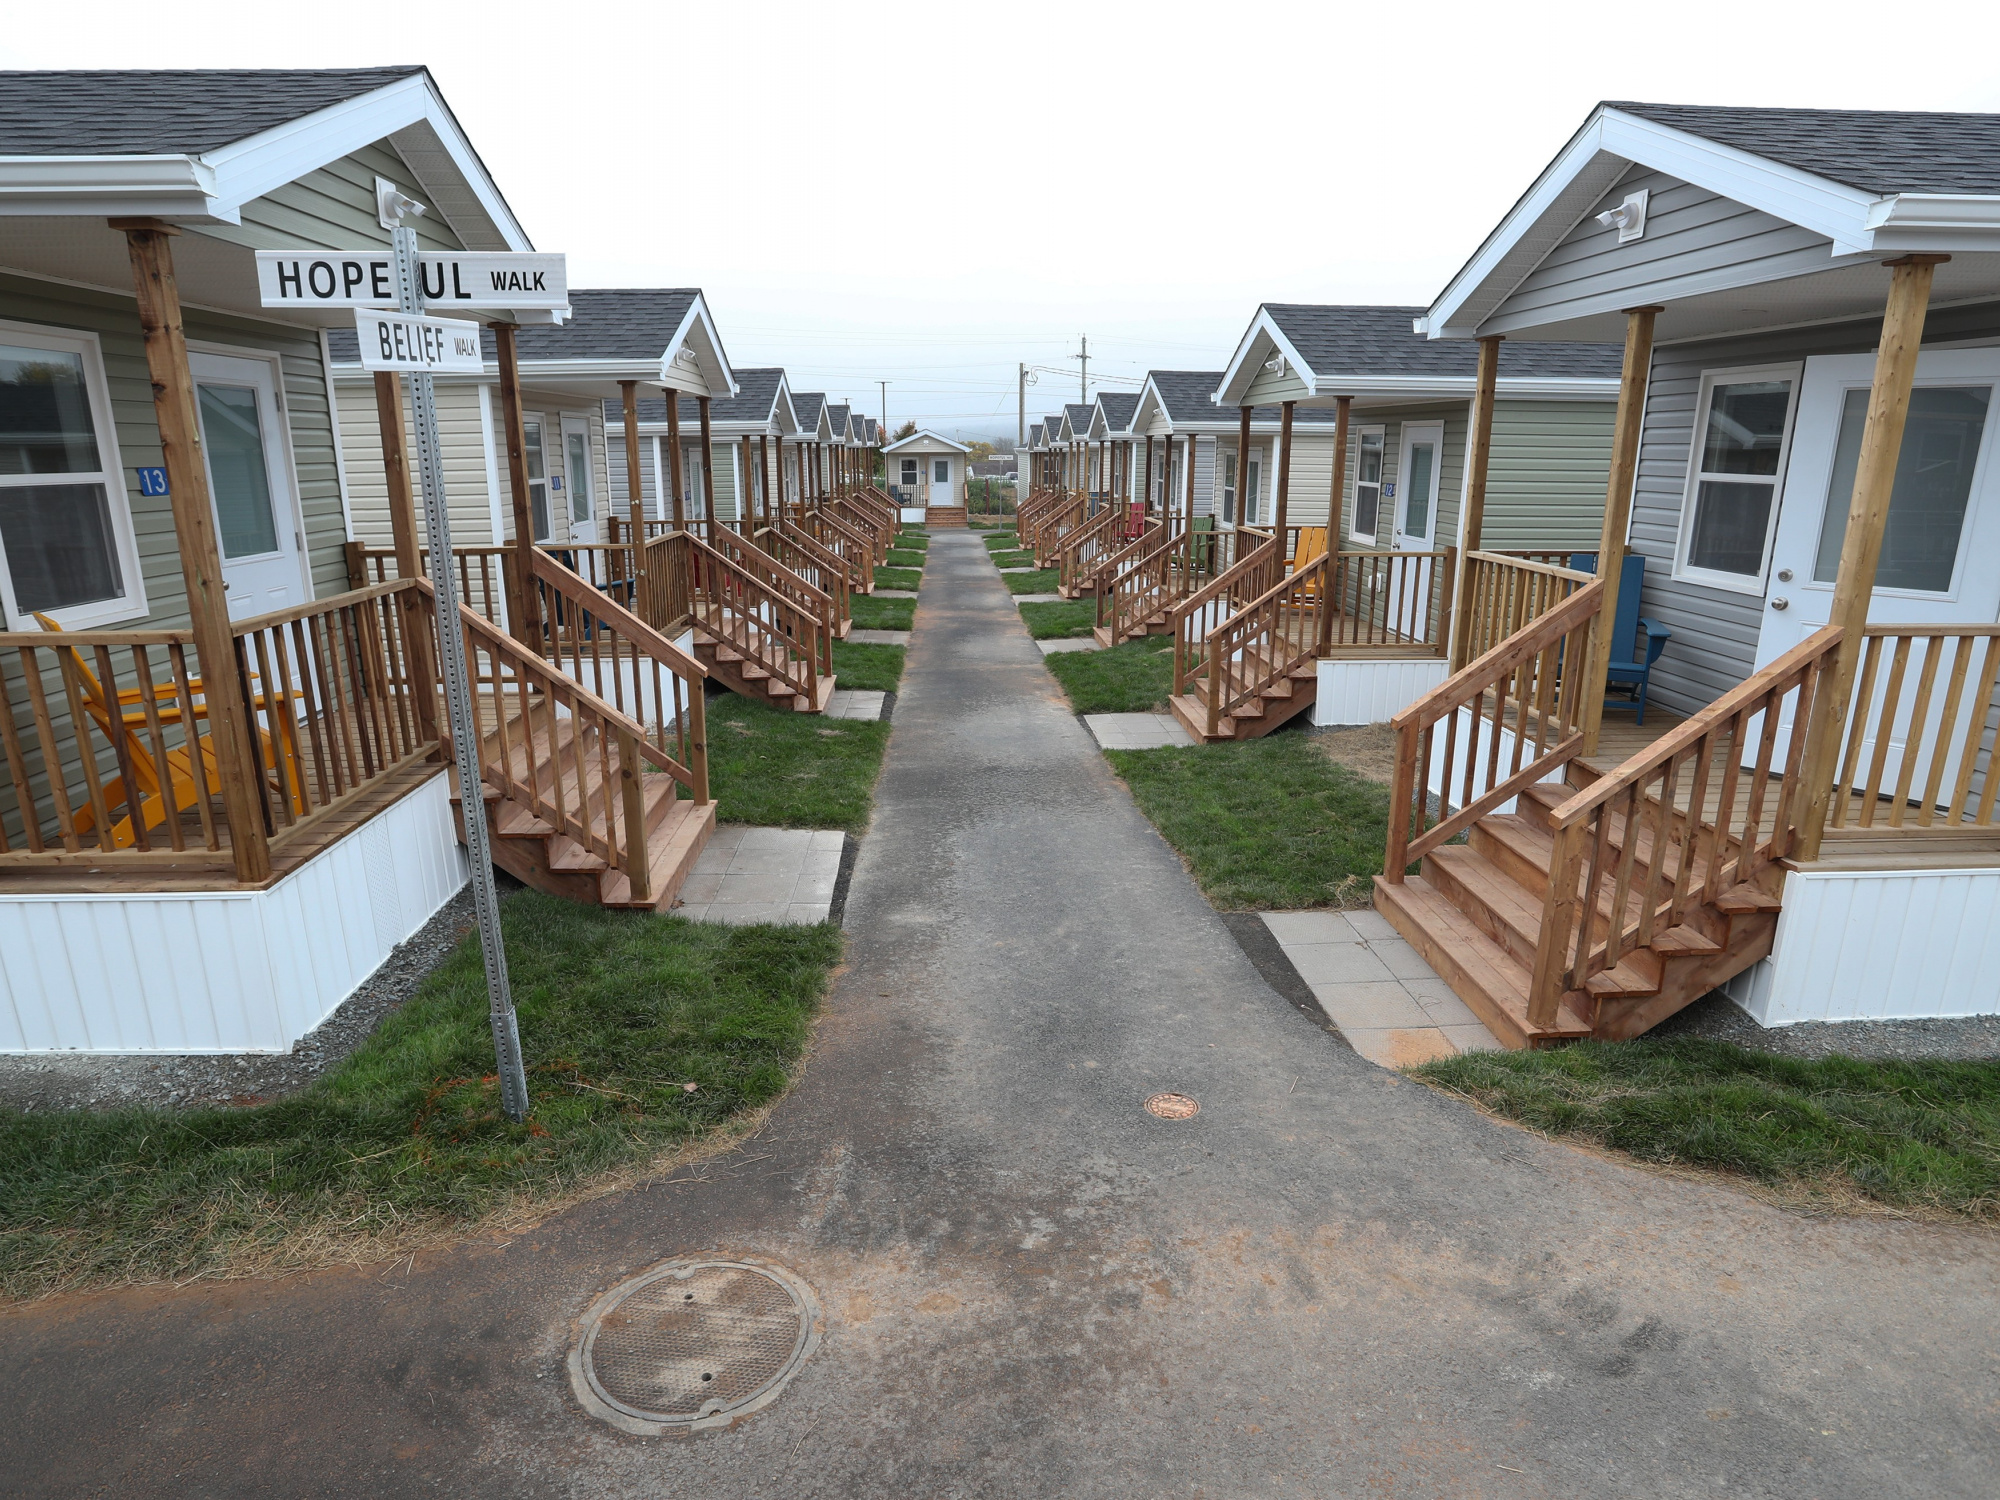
point(471, 279)
point(405, 341)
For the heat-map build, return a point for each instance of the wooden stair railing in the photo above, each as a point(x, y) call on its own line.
point(769, 633)
point(1054, 524)
point(1599, 907)
point(1260, 667)
point(864, 521)
point(1506, 592)
point(1031, 509)
point(1123, 552)
point(1392, 601)
point(1211, 605)
point(855, 551)
point(806, 560)
point(1145, 590)
point(1082, 548)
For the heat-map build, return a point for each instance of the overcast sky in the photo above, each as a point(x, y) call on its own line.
point(930, 194)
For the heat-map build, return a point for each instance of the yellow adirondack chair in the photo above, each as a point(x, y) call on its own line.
point(1312, 544)
point(124, 721)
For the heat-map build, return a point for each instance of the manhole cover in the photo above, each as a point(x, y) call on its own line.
point(692, 1344)
point(1172, 1106)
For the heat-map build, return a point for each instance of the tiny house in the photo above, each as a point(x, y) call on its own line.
point(927, 477)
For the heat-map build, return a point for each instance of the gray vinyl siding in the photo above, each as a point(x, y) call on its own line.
point(334, 208)
point(1693, 237)
point(1451, 467)
point(1714, 645)
point(619, 496)
point(308, 412)
point(1545, 481)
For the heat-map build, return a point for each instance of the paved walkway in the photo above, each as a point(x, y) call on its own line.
point(1330, 1282)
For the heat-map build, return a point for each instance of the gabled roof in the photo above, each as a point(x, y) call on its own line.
point(836, 421)
point(762, 402)
point(808, 406)
point(1034, 439)
point(1076, 415)
point(1334, 350)
point(1186, 399)
point(925, 435)
point(1116, 408)
point(1184, 394)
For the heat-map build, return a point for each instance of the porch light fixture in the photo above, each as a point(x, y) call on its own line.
point(1275, 364)
point(1629, 217)
point(393, 205)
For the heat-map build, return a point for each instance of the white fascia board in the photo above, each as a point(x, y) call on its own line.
point(1935, 221)
point(1418, 387)
point(925, 435)
point(787, 419)
point(1610, 142)
point(1263, 338)
point(262, 163)
point(178, 187)
point(697, 335)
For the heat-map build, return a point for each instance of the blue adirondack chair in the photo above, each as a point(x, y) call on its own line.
point(1626, 668)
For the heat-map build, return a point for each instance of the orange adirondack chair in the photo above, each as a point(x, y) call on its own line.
point(123, 720)
point(1312, 544)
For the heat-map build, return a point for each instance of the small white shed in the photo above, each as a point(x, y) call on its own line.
point(926, 473)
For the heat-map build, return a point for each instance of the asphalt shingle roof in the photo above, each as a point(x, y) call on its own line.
point(1876, 150)
point(836, 417)
point(806, 407)
point(756, 396)
point(1118, 408)
point(1365, 341)
point(634, 325)
point(154, 112)
point(1079, 416)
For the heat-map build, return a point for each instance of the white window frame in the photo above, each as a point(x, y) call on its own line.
point(131, 605)
point(1355, 533)
point(1737, 583)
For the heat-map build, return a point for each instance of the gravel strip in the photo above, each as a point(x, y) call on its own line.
point(1719, 1019)
point(203, 1080)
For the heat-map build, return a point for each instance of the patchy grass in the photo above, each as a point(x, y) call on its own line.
point(1060, 619)
point(895, 558)
point(1913, 1135)
point(869, 668)
point(1268, 824)
point(1135, 678)
point(1002, 541)
point(1013, 559)
point(782, 769)
point(917, 541)
point(642, 1034)
point(1043, 581)
point(898, 578)
point(871, 613)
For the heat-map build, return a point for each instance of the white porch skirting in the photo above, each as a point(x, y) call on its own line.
point(1875, 945)
point(1373, 690)
point(913, 515)
point(225, 971)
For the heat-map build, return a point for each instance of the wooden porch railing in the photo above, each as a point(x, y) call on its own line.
point(866, 521)
point(1256, 567)
point(1033, 510)
point(1169, 570)
point(1505, 595)
point(1510, 719)
point(804, 558)
point(1053, 525)
point(1263, 641)
point(484, 573)
point(1082, 549)
point(1916, 756)
point(1395, 602)
point(1711, 805)
point(1122, 552)
point(853, 548)
point(755, 608)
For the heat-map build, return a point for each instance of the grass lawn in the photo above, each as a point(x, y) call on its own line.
point(1002, 541)
point(780, 769)
point(1041, 582)
point(1063, 618)
point(641, 1033)
point(871, 613)
point(898, 578)
point(1268, 823)
point(870, 668)
point(896, 558)
point(917, 540)
point(1135, 678)
point(1914, 1135)
point(1013, 559)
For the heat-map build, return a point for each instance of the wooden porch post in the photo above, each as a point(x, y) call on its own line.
point(230, 729)
point(707, 466)
point(1187, 457)
point(1617, 510)
point(1284, 471)
point(520, 608)
point(674, 459)
point(1336, 508)
point(418, 622)
point(1867, 519)
point(1478, 458)
point(634, 495)
point(1243, 469)
point(1148, 481)
point(764, 472)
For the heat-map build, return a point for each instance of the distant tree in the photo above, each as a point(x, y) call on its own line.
point(908, 429)
point(980, 453)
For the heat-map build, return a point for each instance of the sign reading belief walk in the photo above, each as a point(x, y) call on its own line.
point(471, 279)
point(407, 341)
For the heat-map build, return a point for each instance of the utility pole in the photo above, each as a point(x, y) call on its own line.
point(1021, 417)
point(885, 409)
point(1083, 372)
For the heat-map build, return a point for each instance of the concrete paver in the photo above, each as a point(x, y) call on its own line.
point(1330, 1282)
point(856, 703)
point(1069, 643)
point(879, 637)
point(747, 874)
point(1137, 731)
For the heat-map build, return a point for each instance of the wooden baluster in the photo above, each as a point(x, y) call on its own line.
point(1751, 857)
point(1919, 717)
point(1980, 709)
point(1947, 730)
point(128, 773)
point(80, 722)
point(1857, 732)
point(1885, 724)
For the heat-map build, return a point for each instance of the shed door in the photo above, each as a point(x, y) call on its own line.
point(941, 481)
point(1940, 561)
point(250, 484)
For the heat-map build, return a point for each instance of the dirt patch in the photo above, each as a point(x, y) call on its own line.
point(1368, 750)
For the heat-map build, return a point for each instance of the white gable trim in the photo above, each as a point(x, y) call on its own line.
point(925, 435)
point(693, 360)
point(1262, 339)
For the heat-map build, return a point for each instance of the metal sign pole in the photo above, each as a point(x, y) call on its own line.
point(459, 706)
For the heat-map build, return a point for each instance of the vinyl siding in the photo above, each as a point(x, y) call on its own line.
point(334, 207)
point(1451, 466)
point(650, 448)
point(1545, 481)
point(1715, 630)
point(463, 440)
point(1694, 238)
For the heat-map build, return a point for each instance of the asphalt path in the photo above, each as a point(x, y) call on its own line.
point(1330, 1282)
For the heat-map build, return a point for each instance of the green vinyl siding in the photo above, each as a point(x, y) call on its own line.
point(333, 208)
point(1545, 484)
point(1451, 468)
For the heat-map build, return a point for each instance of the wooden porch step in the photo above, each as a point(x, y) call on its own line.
point(672, 851)
point(1481, 972)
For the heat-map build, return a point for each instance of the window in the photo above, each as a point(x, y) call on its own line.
point(1229, 487)
point(1418, 486)
point(538, 479)
point(1367, 483)
point(576, 447)
point(909, 471)
point(238, 476)
point(1253, 491)
point(1933, 485)
point(65, 532)
point(1743, 425)
point(940, 471)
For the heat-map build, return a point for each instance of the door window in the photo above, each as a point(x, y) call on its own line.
point(63, 539)
point(1743, 426)
point(1932, 489)
point(576, 468)
point(1367, 485)
point(1229, 488)
point(538, 479)
point(1418, 485)
point(1253, 491)
point(941, 471)
point(239, 476)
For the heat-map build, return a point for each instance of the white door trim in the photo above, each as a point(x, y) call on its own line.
point(281, 462)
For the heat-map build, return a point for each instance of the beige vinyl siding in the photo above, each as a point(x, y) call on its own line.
point(334, 208)
point(1545, 483)
point(651, 445)
point(459, 433)
point(1311, 479)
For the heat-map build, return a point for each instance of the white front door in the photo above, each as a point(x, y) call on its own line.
point(941, 482)
point(258, 526)
point(1940, 562)
point(1415, 509)
point(577, 479)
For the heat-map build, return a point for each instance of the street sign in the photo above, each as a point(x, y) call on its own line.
point(471, 279)
point(409, 341)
